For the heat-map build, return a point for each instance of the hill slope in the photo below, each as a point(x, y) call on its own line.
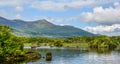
point(42, 28)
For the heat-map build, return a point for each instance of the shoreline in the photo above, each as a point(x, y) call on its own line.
point(28, 57)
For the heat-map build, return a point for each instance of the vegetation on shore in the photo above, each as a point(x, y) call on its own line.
point(11, 47)
point(82, 41)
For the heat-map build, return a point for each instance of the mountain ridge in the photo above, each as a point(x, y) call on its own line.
point(42, 28)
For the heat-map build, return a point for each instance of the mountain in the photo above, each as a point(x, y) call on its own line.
point(42, 28)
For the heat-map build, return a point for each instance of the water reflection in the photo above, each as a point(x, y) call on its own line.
point(77, 56)
point(101, 50)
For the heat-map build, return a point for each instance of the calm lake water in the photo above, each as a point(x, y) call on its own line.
point(77, 56)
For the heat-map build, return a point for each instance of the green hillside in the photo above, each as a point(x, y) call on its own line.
point(42, 28)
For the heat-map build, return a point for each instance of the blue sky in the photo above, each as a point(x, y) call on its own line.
point(96, 16)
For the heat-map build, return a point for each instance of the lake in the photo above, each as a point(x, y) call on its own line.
point(76, 56)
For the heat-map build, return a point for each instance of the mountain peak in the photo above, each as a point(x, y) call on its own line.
point(44, 22)
point(43, 28)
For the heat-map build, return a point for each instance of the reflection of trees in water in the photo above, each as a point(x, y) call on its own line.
point(70, 52)
point(76, 51)
point(118, 48)
point(101, 50)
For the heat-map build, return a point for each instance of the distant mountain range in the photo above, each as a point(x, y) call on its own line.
point(42, 28)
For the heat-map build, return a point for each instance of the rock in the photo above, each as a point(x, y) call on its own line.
point(48, 56)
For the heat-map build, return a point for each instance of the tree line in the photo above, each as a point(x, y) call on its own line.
point(91, 41)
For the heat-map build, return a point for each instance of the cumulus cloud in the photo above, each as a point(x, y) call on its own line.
point(105, 30)
point(51, 5)
point(19, 9)
point(102, 15)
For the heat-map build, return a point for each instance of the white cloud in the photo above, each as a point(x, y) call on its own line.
point(19, 9)
point(116, 4)
point(54, 5)
point(51, 5)
point(18, 16)
point(48, 5)
point(12, 2)
point(103, 15)
point(105, 30)
point(100, 15)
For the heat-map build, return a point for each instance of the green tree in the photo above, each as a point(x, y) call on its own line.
point(9, 44)
point(58, 42)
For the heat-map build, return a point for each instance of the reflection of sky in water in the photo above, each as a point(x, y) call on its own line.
point(77, 57)
point(94, 58)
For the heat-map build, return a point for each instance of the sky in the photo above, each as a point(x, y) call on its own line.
point(95, 16)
